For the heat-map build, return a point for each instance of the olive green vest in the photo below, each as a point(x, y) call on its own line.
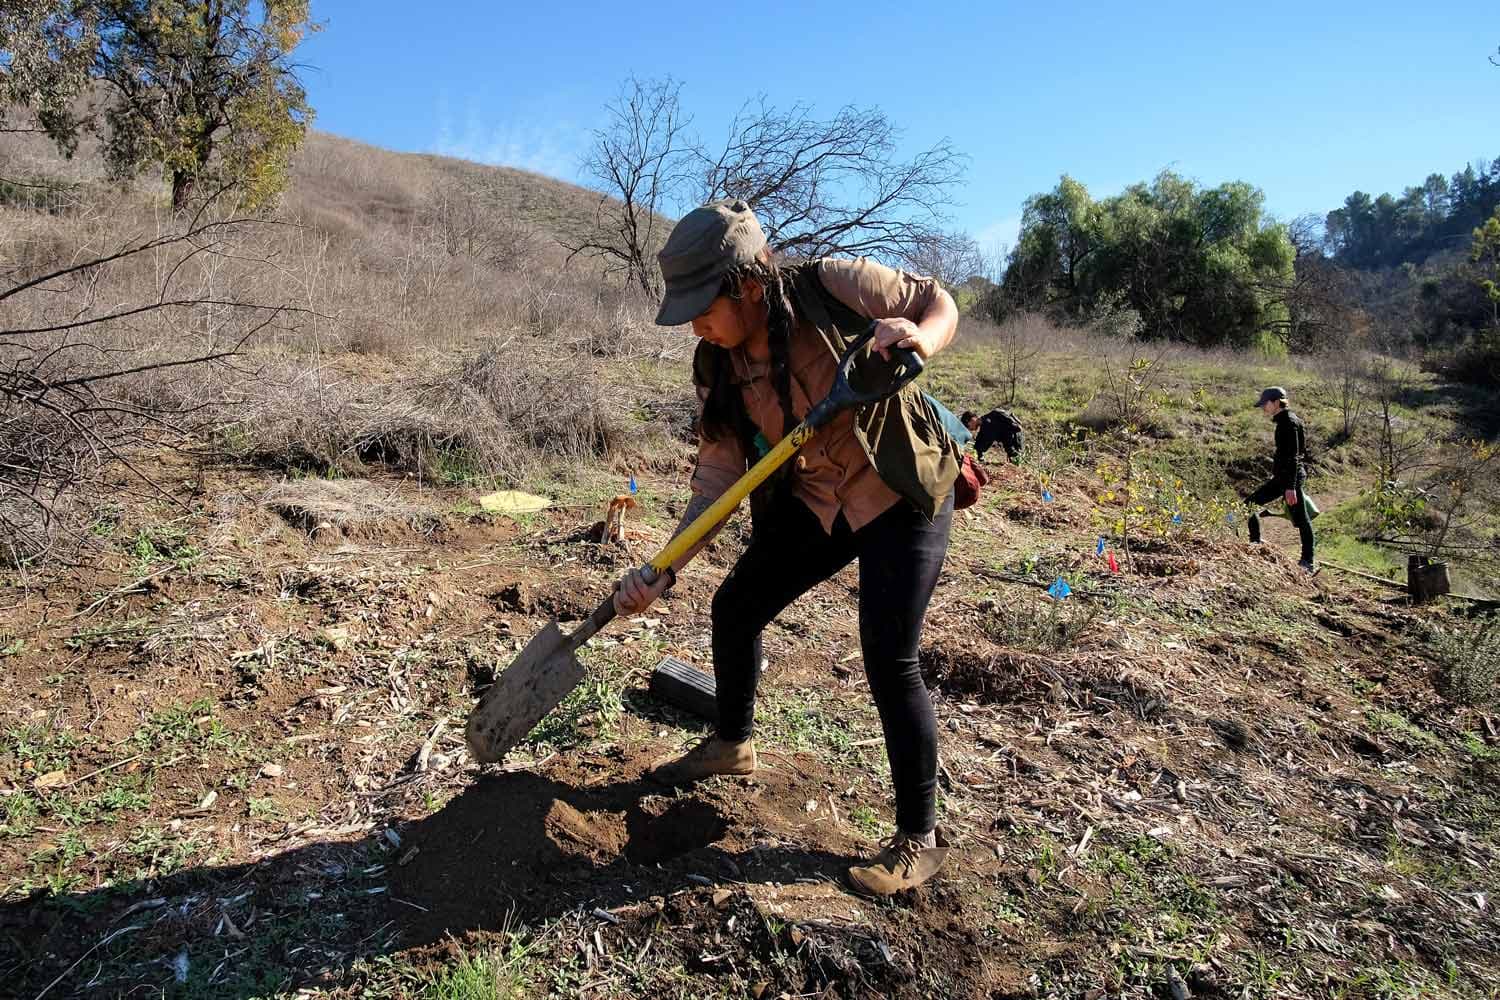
point(902, 435)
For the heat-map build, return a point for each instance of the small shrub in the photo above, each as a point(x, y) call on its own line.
point(1469, 659)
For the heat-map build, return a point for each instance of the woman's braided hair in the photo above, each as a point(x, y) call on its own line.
point(724, 410)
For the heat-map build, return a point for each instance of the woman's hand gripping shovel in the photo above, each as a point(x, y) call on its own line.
point(547, 669)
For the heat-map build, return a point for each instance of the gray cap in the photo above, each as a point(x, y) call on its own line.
point(704, 245)
point(1274, 392)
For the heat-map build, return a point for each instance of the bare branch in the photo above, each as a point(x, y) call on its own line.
point(833, 186)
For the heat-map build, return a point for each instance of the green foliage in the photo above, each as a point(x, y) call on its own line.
point(1470, 661)
point(167, 543)
point(1389, 230)
point(1484, 257)
point(491, 974)
point(185, 729)
point(1164, 260)
point(43, 746)
point(47, 47)
point(204, 89)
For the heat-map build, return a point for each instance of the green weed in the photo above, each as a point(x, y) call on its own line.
point(164, 543)
point(589, 712)
point(492, 974)
point(45, 747)
point(18, 814)
point(1403, 730)
point(191, 729)
point(868, 823)
point(264, 809)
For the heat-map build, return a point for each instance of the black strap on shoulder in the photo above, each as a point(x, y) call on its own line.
point(821, 307)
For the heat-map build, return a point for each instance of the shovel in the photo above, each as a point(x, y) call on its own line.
point(548, 668)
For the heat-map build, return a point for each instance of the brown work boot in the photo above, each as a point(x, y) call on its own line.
point(711, 756)
point(904, 863)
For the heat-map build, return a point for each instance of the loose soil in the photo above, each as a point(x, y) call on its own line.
point(239, 769)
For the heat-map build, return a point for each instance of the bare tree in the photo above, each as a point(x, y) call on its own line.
point(85, 378)
point(638, 161)
point(1465, 490)
point(952, 258)
point(824, 186)
point(1347, 372)
point(1401, 442)
point(1130, 384)
point(1018, 342)
point(469, 221)
point(1318, 300)
point(818, 186)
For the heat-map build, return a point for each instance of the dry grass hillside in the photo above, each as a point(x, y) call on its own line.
point(231, 755)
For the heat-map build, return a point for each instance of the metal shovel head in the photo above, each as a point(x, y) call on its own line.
point(534, 684)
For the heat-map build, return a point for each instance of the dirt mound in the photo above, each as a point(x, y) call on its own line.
point(559, 600)
point(537, 844)
point(983, 672)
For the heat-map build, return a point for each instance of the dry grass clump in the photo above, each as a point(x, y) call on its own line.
point(346, 504)
point(499, 413)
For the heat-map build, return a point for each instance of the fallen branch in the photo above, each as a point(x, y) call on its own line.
point(1393, 584)
point(1397, 585)
point(99, 944)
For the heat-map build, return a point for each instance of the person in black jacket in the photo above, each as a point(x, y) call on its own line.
point(996, 427)
point(1288, 474)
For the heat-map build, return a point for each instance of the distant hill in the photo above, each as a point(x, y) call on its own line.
point(338, 182)
point(356, 189)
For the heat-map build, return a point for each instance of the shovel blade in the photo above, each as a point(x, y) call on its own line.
point(533, 685)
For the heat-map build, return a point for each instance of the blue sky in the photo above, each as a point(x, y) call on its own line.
point(1308, 101)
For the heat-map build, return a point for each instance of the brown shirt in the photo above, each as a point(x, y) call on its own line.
point(832, 472)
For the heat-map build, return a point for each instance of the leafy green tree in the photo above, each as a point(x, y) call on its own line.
point(204, 89)
point(1058, 235)
point(1201, 265)
point(46, 47)
point(1484, 258)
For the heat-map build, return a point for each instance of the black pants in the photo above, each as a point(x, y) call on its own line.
point(900, 555)
point(1297, 512)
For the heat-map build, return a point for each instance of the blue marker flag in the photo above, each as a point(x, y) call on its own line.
point(1046, 496)
point(1177, 518)
point(1099, 549)
point(1060, 589)
point(632, 482)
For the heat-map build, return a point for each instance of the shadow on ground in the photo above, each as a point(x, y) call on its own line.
point(510, 847)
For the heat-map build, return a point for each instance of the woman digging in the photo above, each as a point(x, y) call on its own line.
point(874, 485)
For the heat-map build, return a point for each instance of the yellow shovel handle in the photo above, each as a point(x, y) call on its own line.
point(726, 504)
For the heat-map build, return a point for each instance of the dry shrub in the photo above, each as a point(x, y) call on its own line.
point(1469, 660)
point(346, 504)
point(497, 413)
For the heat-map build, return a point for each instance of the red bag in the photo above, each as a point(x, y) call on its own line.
point(971, 477)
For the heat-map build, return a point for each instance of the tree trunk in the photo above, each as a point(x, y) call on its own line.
point(182, 189)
